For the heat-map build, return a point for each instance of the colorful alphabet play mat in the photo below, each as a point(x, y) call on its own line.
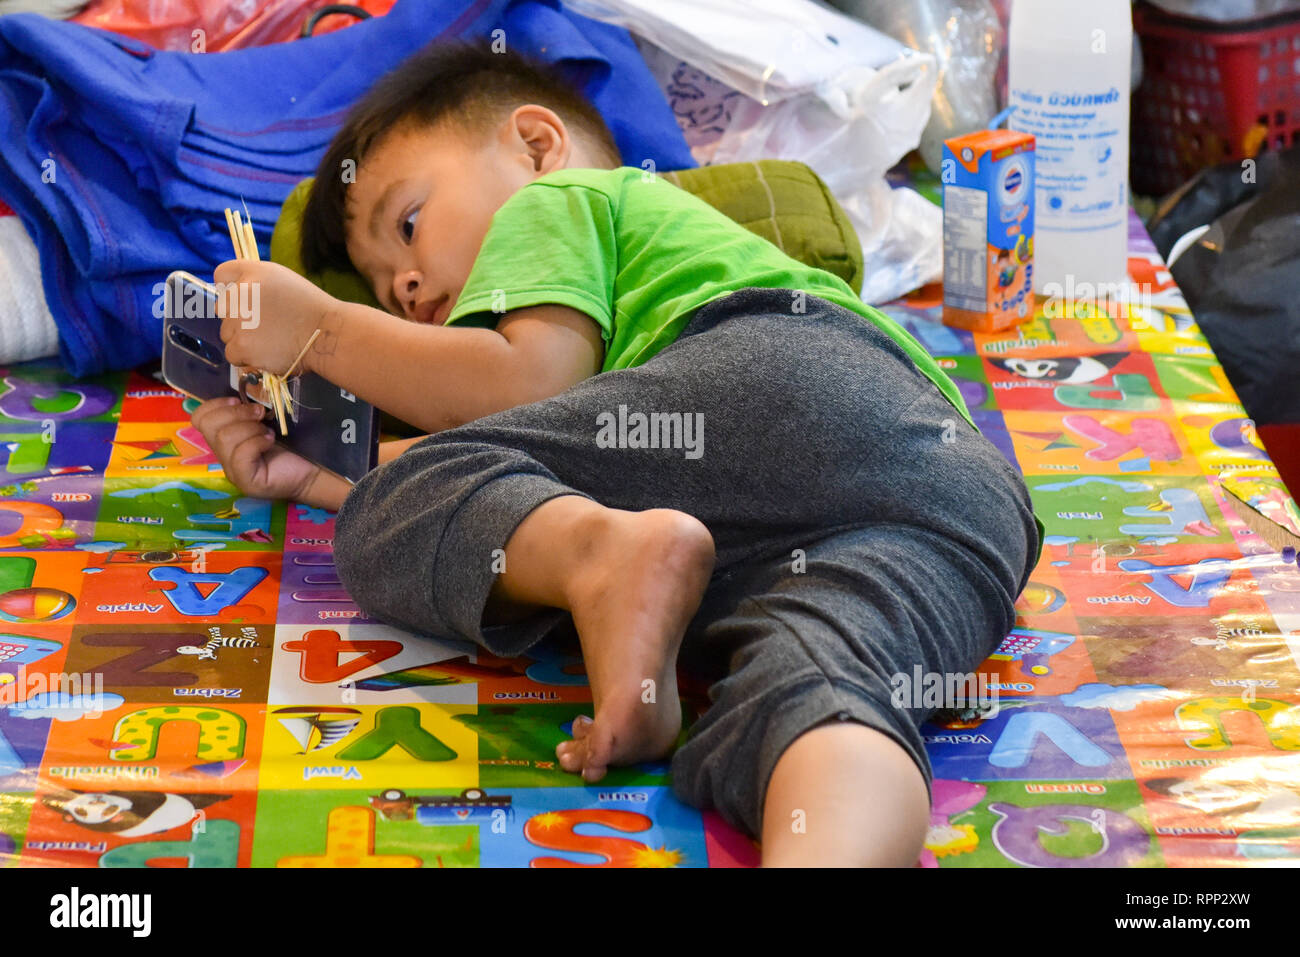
point(183, 681)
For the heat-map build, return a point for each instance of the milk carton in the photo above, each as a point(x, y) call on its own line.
point(988, 230)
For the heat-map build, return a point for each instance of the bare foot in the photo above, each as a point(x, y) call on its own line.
point(648, 573)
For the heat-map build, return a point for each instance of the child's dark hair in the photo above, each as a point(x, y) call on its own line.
point(466, 85)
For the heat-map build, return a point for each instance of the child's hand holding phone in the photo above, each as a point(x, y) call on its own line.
point(245, 446)
point(268, 312)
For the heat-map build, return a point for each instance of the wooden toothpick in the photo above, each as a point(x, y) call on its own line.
point(295, 362)
point(234, 235)
point(274, 387)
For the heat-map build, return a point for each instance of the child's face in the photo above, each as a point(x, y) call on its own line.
point(424, 198)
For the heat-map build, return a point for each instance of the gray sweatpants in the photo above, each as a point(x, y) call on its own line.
point(861, 526)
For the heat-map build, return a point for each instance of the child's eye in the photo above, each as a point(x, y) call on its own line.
point(407, 227)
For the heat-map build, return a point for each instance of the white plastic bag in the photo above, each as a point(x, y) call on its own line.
point(812, 85)
point(964, 37)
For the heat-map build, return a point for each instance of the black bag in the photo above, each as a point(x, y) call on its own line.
point(1242, 277)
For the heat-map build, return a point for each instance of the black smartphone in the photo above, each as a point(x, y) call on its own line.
point(328, 426)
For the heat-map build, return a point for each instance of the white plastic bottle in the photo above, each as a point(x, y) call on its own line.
point(1069, 64)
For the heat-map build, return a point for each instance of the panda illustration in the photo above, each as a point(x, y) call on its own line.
point(130, 813)
point(1063, 368)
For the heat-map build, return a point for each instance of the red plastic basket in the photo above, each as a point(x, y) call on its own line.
point(1211, 93)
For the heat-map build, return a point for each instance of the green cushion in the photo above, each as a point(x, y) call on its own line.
point(787, 204)
point(783, 201)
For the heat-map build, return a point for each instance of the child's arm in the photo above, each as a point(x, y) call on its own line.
point(434, 377)
point(392, 449)
point(439, 377)
point(244, 444)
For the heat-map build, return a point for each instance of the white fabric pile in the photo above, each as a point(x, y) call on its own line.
point(27, 330)
point(54, 9)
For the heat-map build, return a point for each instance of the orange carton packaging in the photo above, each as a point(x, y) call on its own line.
point(988, 230)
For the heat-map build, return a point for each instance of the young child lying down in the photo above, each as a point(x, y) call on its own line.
point(815, 507)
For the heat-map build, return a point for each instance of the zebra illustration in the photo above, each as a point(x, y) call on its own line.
point(209, 650)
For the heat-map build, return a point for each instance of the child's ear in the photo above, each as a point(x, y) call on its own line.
point(541, 136)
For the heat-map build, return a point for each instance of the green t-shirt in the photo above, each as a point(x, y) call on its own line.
point(639, 256)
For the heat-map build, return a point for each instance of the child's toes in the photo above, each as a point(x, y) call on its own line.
point(599, 747)
point(570, 755)
point(581, 727)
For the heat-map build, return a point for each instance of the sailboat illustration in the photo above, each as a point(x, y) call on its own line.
point(318, 728)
